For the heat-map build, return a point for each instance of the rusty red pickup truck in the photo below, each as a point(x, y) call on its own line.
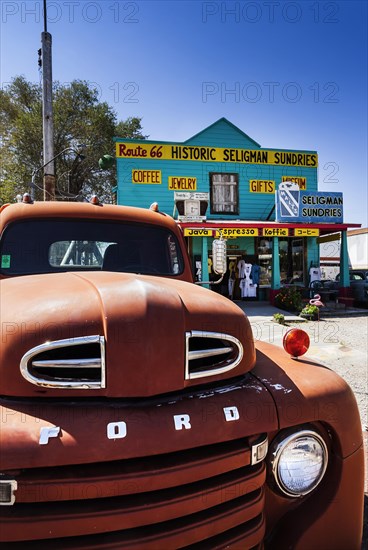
point(138, 412)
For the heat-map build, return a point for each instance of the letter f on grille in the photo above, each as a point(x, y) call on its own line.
point(46, 433)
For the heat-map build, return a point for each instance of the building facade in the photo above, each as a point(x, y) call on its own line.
point(221, 183)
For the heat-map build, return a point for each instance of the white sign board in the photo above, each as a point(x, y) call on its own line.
point(182, 196)
point(191, 219)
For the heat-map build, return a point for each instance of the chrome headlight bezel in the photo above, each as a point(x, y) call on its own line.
point(285, 442)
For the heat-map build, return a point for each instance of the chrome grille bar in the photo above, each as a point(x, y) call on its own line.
point(69, 363)
point(200, 354)
point(54, 379)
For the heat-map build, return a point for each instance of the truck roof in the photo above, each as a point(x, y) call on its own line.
point(50, 209)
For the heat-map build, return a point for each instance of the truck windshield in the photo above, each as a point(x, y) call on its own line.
point(48, 246)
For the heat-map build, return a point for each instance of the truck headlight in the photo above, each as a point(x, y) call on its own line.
point(299, 462)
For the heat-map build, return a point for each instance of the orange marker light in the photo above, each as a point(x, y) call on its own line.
point(296, 342)
point(95, 200)
point(27, 198)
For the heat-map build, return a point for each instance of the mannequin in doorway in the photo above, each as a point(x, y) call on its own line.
point(241, 268)
point(247, 288)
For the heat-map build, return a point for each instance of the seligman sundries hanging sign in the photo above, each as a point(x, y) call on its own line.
point(294, 205)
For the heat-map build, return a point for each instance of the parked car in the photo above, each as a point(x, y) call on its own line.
point(359, 285)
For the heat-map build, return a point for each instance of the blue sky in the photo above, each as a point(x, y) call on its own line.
point(289, 74)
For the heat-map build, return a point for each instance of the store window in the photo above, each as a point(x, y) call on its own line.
point(224, 193)
point(264, 249)
point(292, 261)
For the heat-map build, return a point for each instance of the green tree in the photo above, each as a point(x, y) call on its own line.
point(21, 136)
point(130, 128)
point(79, 118)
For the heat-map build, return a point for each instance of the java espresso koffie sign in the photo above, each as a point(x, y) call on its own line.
point(294, 205)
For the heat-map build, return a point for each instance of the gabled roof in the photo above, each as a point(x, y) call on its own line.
point(220, 122)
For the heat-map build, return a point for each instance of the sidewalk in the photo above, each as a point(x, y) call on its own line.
point(264, 311)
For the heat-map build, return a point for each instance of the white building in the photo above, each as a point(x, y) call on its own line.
point(330, 252)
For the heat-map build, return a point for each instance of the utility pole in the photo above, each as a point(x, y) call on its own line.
point(48, 121)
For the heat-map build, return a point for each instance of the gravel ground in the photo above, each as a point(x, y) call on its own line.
point(350, 336)
point(341, 343)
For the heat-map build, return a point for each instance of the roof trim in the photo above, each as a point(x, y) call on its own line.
point(362, 231)
point(223, 119)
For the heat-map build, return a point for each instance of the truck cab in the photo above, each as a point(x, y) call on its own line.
point(136, 409)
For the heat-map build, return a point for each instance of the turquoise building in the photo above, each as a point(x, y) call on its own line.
point(222, 183)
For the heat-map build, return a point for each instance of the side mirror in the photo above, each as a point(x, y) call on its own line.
point(219, 260)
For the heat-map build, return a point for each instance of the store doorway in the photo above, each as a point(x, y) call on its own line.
point(292, 261)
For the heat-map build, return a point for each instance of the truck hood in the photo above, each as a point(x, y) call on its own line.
point(140, 324)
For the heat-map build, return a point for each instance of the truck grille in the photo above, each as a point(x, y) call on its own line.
point(211, 353)
point(76, 363)
point(210, 497)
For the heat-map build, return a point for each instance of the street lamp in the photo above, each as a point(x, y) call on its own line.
point(77, 151)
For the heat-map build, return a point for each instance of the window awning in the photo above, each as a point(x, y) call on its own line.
point(324, 228)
